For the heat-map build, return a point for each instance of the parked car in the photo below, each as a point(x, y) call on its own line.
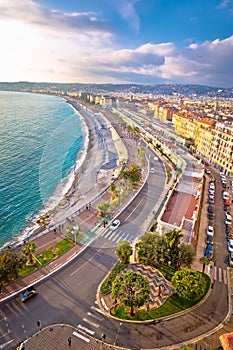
point(211, 191)
point(27, 293)
point(210, 208)
point(230, 259)
point(227, 229)
point(209, 252)
point(209, 240)
point(210, 200)
point(228, 219)
point(230, 245)
point(225, 195)
point(210, 230)
point(116, 223)
point(211, 186)
point(210, 215)
point(207, 171)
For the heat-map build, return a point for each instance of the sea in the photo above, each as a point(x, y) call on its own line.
point(43, 141)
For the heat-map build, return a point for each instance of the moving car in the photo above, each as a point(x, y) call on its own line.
point(152, 170)
point(116, 223)
point(27, 293)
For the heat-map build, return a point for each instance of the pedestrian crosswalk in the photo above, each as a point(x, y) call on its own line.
point(219, 274)
point(90, 324)
point(114, 236)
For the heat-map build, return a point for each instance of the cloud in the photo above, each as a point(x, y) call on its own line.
point(226, 5)
point(223, 4)
point(30, 12)
point(127, 11)
point(43, 45)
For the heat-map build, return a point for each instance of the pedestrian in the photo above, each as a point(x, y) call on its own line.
point(69, 341)
point(159, 291)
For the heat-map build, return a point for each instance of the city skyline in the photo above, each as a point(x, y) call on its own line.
point(131, 41)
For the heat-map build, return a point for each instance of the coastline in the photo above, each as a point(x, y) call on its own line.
point(33, 228)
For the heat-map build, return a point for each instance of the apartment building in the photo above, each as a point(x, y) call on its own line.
point(221, 150)
point(204, 137)
point(184, 125)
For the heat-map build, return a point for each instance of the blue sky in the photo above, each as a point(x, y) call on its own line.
point(117, 41)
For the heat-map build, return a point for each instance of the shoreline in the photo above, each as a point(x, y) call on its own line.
point(34, 228)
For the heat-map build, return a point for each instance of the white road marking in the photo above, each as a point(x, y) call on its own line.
point(96, 325)
point(85, 329)
point(225, 276)
point(81, 336)
point(94, 316)
point(113, 234)
point(108, 234)
point(215, 272)
point(134, 209)
point(96, 309)
point(220, 274)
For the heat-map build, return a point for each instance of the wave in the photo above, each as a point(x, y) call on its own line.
point(62, 189)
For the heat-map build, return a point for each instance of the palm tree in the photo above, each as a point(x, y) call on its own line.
point(103, 209)
point(205, 261)
point(28, 250)
point(113, 189)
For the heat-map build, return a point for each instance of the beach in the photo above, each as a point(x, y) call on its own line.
point(90, 180)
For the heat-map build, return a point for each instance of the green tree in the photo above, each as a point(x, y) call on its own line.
point(10, 263)
point(123, 251)
point(112, 189)
point(152, 249)
point(189, 284)
point(103, 209)
point(28, 250)
point(204, 261)
point(131, 290)
point(186, 255)
point(132, 173)
point(172, 242)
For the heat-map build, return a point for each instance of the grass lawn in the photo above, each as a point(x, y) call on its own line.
point(47, 256)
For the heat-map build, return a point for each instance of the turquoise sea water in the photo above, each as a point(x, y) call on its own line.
point(40, 138)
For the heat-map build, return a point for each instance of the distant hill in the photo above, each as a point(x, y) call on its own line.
point(157, 89)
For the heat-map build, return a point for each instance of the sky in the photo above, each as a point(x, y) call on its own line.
point(117, 41)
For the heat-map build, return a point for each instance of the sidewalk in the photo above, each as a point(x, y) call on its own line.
point(56, 337)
